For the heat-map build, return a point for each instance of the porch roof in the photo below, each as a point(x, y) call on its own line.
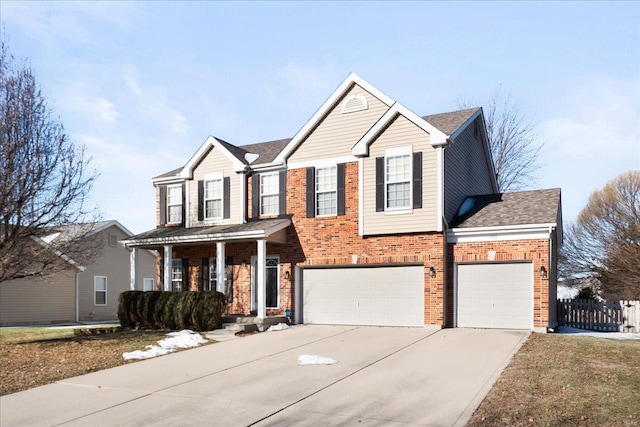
point(253, 230)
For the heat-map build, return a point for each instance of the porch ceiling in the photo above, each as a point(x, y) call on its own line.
point(249, 231)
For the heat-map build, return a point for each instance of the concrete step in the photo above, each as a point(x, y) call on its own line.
point(251, 323)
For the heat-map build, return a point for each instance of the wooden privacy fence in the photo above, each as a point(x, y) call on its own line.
point(609, 316)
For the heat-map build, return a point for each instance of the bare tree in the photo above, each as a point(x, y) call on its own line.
point(44, 179)
point(512, 140)
point(604, 241)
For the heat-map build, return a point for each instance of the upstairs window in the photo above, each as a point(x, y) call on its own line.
point(398, 181)
point(269, 194)
point(213, 198)
point(326, 191)
point(174, 203)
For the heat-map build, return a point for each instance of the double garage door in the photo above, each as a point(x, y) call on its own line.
point(495, 295)
point(373, 296)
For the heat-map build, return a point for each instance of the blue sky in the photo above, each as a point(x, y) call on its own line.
point(142, 84)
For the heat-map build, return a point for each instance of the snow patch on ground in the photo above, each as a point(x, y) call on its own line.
point(567, 292)
point(278, 327)
point(568, 330)
point(308, 359)
point(176, 340)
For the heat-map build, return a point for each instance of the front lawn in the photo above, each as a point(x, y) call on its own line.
point(561, 380)
point(31, 357)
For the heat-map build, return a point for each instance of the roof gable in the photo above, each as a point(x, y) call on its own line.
point(351, 80)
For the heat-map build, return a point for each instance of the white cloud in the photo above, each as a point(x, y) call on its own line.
point(601, 117)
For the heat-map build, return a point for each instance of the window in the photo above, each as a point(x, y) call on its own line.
point(272, 282)
point(213, 275)
point(113, 240)
point(269, 194)
point(100, 290)
point(176, 275)
point(148, 285)
point(174, 203)
point(398, 181)
point(326, 191)
point(213, 198)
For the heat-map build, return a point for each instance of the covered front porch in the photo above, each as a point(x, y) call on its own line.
point(231, 259)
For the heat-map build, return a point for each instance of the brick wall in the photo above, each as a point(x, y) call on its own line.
point(534, 250)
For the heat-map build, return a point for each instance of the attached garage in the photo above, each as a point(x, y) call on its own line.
point(371, 296)
point(495, 295)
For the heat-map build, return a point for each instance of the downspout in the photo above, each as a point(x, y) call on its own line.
point(77, 297)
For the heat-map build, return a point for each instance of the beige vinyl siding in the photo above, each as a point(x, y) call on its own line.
point(112, 263)
point(215, 162)
point(338, 132)
point(466, 171)
point(35, 300)
point(401, 133)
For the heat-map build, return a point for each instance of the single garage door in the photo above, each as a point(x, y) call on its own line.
point(375, 296)
point(495, 295)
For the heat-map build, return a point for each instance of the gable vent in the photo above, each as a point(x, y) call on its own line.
point(354, 102)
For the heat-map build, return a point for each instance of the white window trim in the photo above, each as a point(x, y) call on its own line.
point(95, 291)
point(210, 177)
point(174, 204)
point(277, 193)
point(335, 190)
point(392, 152)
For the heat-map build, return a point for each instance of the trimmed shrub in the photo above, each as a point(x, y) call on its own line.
point(207, 312)
point(201, 311)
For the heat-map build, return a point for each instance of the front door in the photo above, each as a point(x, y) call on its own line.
point(273, 282)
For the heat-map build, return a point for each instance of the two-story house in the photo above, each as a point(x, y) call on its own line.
point(369, 215)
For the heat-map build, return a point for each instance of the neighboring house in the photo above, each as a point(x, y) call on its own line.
point(77, 293)
point(364, 217)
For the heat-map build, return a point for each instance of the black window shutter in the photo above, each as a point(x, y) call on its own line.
point(184, 205)
point(200, 200)
point(204, 274)
point(185, 274)
point(161, 273)
point(226, 197)
point(311, 192)
point(380, 202)
point(282, 193)
point(417, 180)
point(340, 181)
point(255, 196)
point(163, 205)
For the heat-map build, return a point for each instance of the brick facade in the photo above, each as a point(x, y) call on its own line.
point(534, 250)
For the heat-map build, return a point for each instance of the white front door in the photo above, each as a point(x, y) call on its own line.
point(272, 278)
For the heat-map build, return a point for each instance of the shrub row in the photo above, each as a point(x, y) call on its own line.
point(199, 311)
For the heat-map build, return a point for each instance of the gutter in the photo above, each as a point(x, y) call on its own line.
point(77, 295)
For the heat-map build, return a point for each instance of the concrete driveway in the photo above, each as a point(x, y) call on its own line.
point(384, 376)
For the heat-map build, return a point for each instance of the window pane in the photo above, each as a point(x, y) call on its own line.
point(269, 184)
point(101, 298)
point(175, 213)
point(270, 205)
point(326, 179)
point(213, 208)
point(398, 195)
point(326, 203)
point(398, 168)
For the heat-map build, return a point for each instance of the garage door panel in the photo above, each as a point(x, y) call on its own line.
point(382, 296)
point(495, 295)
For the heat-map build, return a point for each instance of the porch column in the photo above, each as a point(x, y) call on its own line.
point(132, 269)
point(167, 267)
point(261, 277)
point(220, 270)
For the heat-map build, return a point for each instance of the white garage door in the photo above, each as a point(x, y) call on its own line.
point(376, 296)
point(495, 295)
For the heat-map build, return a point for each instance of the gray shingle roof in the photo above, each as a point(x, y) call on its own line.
point(171, 173)
point(519, 208)
point(214, 231)
point(267, 150)
point(450, 122)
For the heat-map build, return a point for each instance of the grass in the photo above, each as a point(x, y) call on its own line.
point(557, 380)
point(31, 357)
